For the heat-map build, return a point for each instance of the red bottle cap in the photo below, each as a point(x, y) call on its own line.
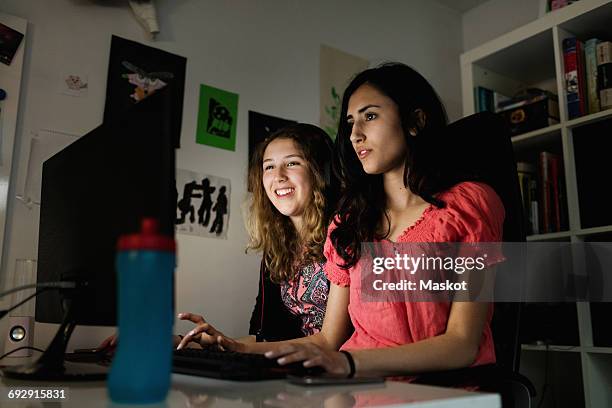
point(147, 239)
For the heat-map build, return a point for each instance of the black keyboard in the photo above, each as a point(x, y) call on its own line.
point(230, 365)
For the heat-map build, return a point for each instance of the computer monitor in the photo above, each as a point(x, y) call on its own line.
point(93, 191)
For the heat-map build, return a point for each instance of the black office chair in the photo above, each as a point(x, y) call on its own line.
point(478, 147)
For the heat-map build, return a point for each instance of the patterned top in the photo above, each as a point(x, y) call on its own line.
point(306, 297)
point(473, 213)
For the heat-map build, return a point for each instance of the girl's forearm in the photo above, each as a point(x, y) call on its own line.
point(444, 352)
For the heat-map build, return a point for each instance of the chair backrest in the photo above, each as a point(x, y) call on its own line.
point(481, 149)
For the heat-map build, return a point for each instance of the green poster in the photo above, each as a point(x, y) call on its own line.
point(217, 118)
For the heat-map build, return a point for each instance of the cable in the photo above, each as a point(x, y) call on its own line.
point(58, 285)
point(21, 348)
point(10, 309)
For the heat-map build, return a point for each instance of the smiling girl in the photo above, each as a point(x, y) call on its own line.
point(292, 200)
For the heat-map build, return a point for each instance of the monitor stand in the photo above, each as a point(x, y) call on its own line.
point(51, 365)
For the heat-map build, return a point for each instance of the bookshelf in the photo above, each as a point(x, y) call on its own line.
point(532, 57)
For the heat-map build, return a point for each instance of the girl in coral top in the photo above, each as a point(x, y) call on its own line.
point(391, 124)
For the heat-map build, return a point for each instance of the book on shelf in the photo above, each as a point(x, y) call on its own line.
point(544, 184)
point(558, 4)
point(498, 100)
point(604, 74)
point(476, 100)
point(604, 52)
point(555, 209)
point(562, 197)
point(590, 65)
point(520, 101)
point(552, 203)
point(534, 206)
point(529, 196)
point(533, 110)
point(483, 99)
point(573, 62)
point(584, 103)
point(488, 100)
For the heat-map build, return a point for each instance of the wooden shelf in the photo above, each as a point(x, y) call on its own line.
point(588, 119)
point(550, 236)
point(594, 231)
point(598, 350)
point(537, 347)
point(539, 134)
point(569, 349)
point(567, 234)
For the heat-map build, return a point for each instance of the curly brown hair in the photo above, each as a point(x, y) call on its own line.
point(284, 248)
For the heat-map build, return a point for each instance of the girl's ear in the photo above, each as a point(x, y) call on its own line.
point(420, 119)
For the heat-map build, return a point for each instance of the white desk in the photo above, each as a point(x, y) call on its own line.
point(198, 392)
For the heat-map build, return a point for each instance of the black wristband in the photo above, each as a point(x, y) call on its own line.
point(351, 362)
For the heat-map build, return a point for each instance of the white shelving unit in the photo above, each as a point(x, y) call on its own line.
point(532, 56)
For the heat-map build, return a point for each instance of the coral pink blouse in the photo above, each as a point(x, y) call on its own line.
point(473, 213)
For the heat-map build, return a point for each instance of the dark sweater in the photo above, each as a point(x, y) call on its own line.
point(271, 320)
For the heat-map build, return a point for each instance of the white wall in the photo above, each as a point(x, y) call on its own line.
point(494, 18)
point(266, 52)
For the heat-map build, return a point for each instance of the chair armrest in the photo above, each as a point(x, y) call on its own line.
point(489, 377)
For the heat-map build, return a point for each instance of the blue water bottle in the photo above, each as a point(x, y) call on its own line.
point(141, 368)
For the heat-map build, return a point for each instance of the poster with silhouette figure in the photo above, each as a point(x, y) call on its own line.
point(217, 118)
point(202, 205)
point(136, 71)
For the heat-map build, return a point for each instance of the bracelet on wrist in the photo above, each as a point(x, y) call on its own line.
point(351, 362)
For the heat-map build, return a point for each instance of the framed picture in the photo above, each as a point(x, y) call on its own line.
point(217, 118)
point(9, 43)
point(136, 71)
point(203, 204)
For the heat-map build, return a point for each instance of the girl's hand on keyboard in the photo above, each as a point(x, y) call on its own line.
point(229, 344)
point(204, 333)
point(176, 340)
point(109, 345)
point(312, 355)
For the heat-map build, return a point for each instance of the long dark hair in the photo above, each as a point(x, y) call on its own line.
point(363, 201)
point(273, 233)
